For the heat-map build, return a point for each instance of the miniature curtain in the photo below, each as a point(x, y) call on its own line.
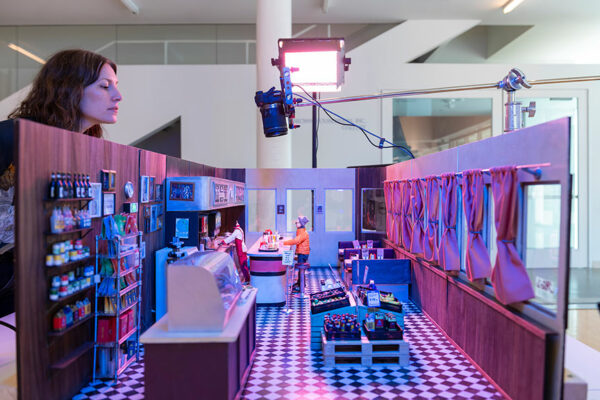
point(478, 263)
point(406, 214)
point(449, 256)
point(389, 216)
point(509, 277)
point(430, 241)
point(418, 212)
point(397, 204)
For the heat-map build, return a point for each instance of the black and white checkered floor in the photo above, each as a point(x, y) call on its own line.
point(286, 368)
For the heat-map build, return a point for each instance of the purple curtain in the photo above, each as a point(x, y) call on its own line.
point(509, 277)
point(477, 258)
point(387, 192)
point(397, 207)
point(430, 242)
point(406, 214)
point(449, 256)
point(418, 212)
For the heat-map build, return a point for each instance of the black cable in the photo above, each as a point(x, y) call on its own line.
point(364, 131)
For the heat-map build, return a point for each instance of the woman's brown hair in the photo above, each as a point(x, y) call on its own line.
point(58, 88)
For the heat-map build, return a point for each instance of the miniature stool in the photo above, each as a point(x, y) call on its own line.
point(302, 279)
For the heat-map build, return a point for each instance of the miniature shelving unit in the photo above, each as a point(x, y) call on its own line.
point(109, 361)
point(73, 340)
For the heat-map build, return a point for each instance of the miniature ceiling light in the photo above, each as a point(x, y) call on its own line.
point(317, 65)
point(511, 5)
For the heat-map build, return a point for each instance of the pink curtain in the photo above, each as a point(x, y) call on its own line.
point(449, 256)
point(406, 214)
point(418, 212)
point(387, 192)
point(509, 277)
point(430, 242)
point(397, 205)
point(477, 258)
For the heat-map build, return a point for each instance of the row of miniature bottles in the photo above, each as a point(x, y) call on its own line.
point(65, 186)
point(64, 219)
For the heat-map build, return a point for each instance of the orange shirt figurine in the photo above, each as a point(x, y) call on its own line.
point(302, 242)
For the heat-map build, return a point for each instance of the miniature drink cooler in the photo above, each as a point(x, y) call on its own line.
point(202, 290)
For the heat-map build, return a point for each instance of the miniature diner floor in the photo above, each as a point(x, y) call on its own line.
point(286, 368)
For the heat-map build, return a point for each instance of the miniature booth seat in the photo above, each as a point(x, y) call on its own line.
point(390, 275)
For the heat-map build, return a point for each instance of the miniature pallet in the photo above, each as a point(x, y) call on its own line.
point(364, 353)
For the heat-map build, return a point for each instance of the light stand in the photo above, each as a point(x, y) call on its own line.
point(315, 122)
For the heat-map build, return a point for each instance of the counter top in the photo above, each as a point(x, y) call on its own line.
point(160, 334)
point(253, 251)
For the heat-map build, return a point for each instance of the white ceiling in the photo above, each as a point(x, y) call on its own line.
point(108, 12)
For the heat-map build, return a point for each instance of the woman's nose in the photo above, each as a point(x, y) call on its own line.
point(117, 95)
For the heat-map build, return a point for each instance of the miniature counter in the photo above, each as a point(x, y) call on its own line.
point(201, 364)
point(268, 274)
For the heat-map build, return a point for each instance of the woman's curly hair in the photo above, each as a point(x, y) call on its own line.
point(57, 90)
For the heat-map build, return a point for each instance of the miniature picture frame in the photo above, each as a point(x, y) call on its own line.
point(144, 189)
point(108, 178)
point(158, 192)
point(95, 205)
point(151, 188)
point(108, 203)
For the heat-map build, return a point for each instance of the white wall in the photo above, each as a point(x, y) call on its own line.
point(218, 114)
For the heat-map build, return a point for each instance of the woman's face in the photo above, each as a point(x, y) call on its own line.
point(100, 101)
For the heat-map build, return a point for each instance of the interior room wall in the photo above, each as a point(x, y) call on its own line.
point(218, 114)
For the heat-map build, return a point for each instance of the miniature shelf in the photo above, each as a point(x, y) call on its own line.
point(67, 299)
point(121, 340)
point(86, 230)
point(127, 364)
point(71, 357)
point(68, 200)
point(75, 325)
point(60, 269)
point(121, 312)
point(122, 255)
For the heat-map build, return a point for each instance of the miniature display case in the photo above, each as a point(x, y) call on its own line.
point(202, 291)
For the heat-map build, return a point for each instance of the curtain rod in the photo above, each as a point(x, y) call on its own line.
point(533, 169)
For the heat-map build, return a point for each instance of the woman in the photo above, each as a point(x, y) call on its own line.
point(75, 90)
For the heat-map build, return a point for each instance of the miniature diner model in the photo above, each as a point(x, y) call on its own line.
point(214, 342)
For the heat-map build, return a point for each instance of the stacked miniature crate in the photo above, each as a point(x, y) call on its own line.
point(316, 320)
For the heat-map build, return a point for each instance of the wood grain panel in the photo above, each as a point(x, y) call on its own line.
point(151, 164)
point(41, 150)
point(510, 354)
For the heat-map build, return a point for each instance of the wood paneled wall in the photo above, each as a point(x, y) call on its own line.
point(366, 177)
point(151, 164)
point(40, 150)
point(511, 350)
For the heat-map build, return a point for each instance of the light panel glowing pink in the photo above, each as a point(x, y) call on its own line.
point(317, 70)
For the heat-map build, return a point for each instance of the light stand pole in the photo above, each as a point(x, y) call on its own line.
point(315, 122)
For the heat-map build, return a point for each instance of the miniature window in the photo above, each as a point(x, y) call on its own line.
point(261, 210)
point(338, 210)
point(299, 202)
